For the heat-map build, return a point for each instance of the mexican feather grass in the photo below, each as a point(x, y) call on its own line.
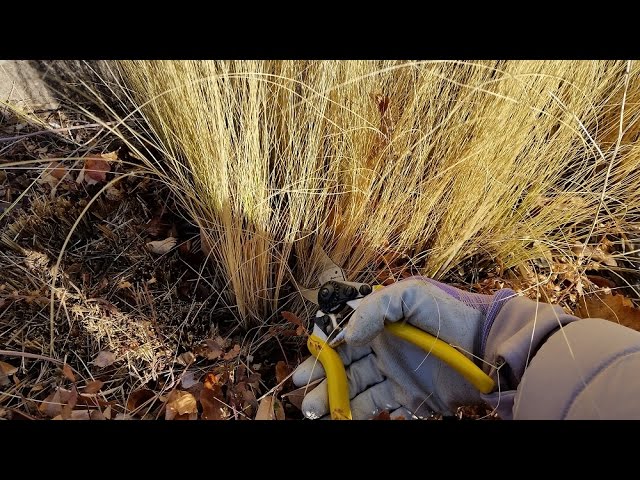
point(428, 162)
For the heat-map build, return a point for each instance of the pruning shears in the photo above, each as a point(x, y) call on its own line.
point(337, 299)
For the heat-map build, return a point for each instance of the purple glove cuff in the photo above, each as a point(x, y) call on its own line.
point(489, 305)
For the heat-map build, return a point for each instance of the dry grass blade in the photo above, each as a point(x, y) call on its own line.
point(433, 162)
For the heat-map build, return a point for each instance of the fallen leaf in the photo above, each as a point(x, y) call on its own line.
point(602, 282)
point(186, 358)
point(289, 332)
point(180, 403)
point(292, 317)
point(233, 353)
point(104, 359)
point(296, 396)
point(383, 415)
point(188, 380)
point(156, 226)
point(138, 398)
point(54, 172)
point(212, 407)
point(95, 169)
point(68, 372)
point(265, 409)
point(123, 416)
point(52, 405)
point(114, 194)
point(93, 386)
point(18, 415)
point(270, 408)
point(594, 253)
point(282, 371)
point(215, 348)
point(93, 415)
point(7, 368)
point(278, 409)
point(616, 308)
point(71, 403)
point(160, 247)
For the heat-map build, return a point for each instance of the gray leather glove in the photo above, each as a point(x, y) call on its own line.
point(388, 373)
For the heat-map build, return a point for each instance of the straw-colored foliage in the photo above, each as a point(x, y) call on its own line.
point(438, 161)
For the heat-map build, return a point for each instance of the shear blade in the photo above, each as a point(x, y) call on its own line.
point(310, 294)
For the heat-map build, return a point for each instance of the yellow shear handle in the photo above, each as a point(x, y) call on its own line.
point(337, 384)
point(445, 352)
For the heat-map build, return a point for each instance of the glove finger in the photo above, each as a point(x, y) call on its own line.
point(418, 302)
point(373, 400)
point(352, 353)
point(308, 371)
point(361, 375)
point(316, 403)
point(368, 319)
point(311, 369)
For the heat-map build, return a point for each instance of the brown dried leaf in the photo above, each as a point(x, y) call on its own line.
point(265, 409)
point(282, 371)
point(71, 403)
point(156, 226)
point(233, 353)
point(56, 170)
point(75, 415)
point(124, 284)
point(139, 398)
point(186, 358)
point(383, 415)
point(292, 317)
point(52, 405)
point(95, 169)
point(93, 415)
point(597, 254)
point(104, 359)
point(68, 372)
point(160, 247)
point(123, 416)
point(278, 409)
point(188, 380)
point(18, 415)
point(602, 282)
point(7, 368)
point(92, 387)
point(296, 396)
point(212, 407)
point(114, 194)
point(616, 308)
point(180, 403)
point(215, 348)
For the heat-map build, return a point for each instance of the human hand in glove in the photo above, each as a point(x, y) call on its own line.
point(388, 373)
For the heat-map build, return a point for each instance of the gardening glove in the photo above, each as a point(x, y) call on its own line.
point(388, 373)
